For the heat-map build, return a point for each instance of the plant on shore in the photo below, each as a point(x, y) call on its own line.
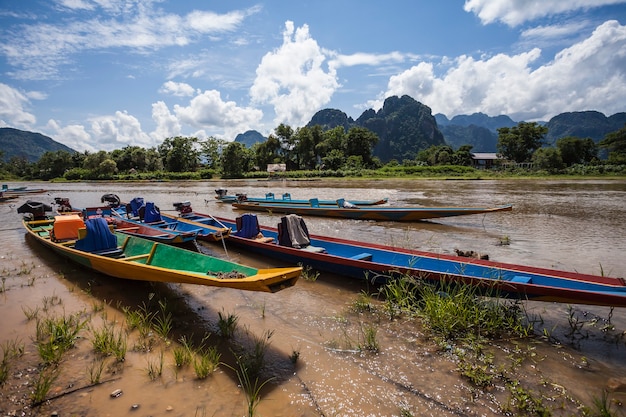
point(251, 386)
point(227, 324)
point(43, 384)
point(11, 350)
point(108, 341)
point(206, 361)
point(56, 335)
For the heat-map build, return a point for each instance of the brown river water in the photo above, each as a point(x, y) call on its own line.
point(314, 363)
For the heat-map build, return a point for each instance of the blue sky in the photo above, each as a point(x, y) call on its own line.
point(104, 74)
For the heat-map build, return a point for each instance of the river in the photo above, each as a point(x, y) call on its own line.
point(570, 225)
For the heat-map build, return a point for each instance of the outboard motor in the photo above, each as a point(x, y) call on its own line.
point(221, 192)
point(241, 198)
point(184, 207)
point(36, 209)
point(112, 200)
point(63, 203)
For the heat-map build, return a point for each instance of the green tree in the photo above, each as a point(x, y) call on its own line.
point(575, 150)
point(615, 142)
point(463, 156)
point(179, 154)
point(211, 151)
point(548, 159)
point(285, 135)
point(93, 160)
point(268, 152)
point(518, 143)
point(53, 164)
point(236, 160)
point(360, 142)
point(334, 159)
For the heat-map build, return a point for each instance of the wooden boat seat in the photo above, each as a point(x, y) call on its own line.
point(264, 239)
point(364, 256)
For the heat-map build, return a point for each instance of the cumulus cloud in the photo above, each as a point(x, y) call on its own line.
point(293, 79)
point(590, 74)
point(37, 51)
point(74, 136)
point(13, 107)
point(118, 131)
point(516, 12)
point(208, 111)
point(167, 124)
point(177, 89)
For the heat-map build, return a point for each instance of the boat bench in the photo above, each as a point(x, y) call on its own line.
point(364, 256)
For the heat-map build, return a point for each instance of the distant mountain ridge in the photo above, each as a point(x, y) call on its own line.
point(404, 127)
point(29, 145)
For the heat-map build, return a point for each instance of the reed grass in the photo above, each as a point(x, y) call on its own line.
point(56, 335)
point(370, 343)
point(109, 341)
point(43, 384)
point(30, 313)
point(251, 386)
point(206, 362)
point(163, 323)
point(11, 350)
point(154, 367)
point(227, 324)
point(308, 273)
point(95, 370)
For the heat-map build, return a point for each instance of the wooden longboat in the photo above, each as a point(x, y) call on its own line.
point(135, 258)
point(379, 263)
point(286, 199)
point(396, 214)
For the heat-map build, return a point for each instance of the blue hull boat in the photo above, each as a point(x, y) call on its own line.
point(378, 263)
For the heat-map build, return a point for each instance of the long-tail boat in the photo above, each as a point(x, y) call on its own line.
point(92, 244)
point(388, 213)
point(285, 198)
point(379, 263)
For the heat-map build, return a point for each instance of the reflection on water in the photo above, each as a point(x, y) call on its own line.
point(570, 225)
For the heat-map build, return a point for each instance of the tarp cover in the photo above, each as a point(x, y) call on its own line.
point(152, 213)
point(293, 232)
point(247, 226)
point(99, 236)
point(34, 207)
point(135, 204)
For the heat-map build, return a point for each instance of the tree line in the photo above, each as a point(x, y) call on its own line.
point(305, 149)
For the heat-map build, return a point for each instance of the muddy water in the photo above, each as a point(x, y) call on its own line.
point(569, 225)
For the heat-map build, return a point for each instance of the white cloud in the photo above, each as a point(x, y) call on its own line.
point(74, 136)
point(13, 107)
point(292, 78)
point(366, 59)
point(167, 124)
point(118, 131)
point(515, 12)
point(37, 51)
point(208, 111)
point(588, 75)
point(177, 89)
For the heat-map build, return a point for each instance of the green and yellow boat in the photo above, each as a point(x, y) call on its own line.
point(94, 245)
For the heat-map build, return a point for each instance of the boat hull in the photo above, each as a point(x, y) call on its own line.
point(146, 260)
point(397, 214)
point(379, 262)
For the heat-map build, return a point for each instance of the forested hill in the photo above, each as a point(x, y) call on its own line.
point(29, 145)
point(404, 127)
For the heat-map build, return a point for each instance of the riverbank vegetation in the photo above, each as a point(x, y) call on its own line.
point(310, 152)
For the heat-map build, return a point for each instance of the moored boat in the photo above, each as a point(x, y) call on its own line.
point(92, 244)
point(285, 198)
point(342, 210)
point(380, 262)
point(149, 214)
